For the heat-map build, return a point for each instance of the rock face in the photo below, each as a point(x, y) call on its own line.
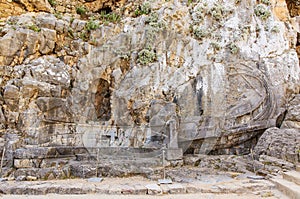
point(280, 143)
point(117, 72)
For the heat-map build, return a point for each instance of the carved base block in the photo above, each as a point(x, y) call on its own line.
point(174, 154)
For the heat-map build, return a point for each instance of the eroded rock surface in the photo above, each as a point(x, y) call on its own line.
point(280, 143)
point(109, 74)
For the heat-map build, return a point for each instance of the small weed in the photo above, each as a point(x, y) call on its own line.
point(58, 15)
point(152, 18)
point(34, 27)
point(267, 2)
point(92, 25)
point(11, 22)
point(84, 35)
point(199, 13)
point(217, 12)
point(146, 56)
point(199, 32)
point(234, 49)
point(113, 17)
point(81, 10)
point(110, 17)
point(52, 2)
point(143, 9)
point(262, 12)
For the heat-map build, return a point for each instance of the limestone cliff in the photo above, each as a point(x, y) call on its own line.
point(99, 74)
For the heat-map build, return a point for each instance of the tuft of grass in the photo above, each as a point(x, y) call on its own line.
point(92, 25)
point(81, 10)
point(110, 17)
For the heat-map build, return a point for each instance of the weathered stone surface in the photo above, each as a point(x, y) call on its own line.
point(292, 117)
point(35, 153)
point(153, 189)
point(222, 70)
point(280, 143)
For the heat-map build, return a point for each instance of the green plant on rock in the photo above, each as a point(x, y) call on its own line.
point(146, 56)
point(84, 35)
point(199, 32)
point(234, 49)
point(58, 15)
point(113, 17)
point(109, 17)
point(92, 25)
point(217, 12)
point(143, 9)
point(34, 27)
point(267, 2)
point(153, 21)
point(152, 18)
point(262, 12)
point(198, 14)
point(52, 2)
point(81, 10)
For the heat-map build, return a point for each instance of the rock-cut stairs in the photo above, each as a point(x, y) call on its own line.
point(289, 183)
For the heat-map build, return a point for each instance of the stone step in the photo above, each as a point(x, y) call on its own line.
point(64, 152)
point(290, 189)
point(48, 152)
point(292, 176)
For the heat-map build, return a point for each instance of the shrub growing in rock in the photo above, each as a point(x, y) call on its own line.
point(146, 56)
point(145, 8)
point(262, 12)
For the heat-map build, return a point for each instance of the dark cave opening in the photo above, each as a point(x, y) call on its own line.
point(102, 100)
point(104, 10)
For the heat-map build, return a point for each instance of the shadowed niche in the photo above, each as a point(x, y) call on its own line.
point(102, 100)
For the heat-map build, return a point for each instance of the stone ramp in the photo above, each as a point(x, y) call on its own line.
point(289, 183)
